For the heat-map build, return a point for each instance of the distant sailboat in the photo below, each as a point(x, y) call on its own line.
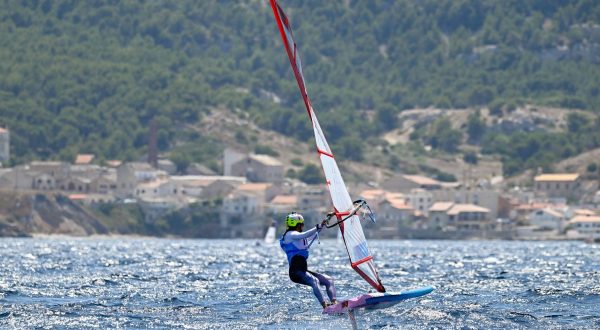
point(270, 236)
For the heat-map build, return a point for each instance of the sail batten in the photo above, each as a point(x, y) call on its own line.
point(353, 236)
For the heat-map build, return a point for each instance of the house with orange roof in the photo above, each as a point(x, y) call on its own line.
point(586, 226)
point(455, 216)
point(392, 214)
point(558, 185)
point(438, 214)
point(469, 217)
point(484, 197)
point(282, 204)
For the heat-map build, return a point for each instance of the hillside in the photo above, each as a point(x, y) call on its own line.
point(90, 76)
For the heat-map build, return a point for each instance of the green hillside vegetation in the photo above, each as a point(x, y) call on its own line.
point(89, 76)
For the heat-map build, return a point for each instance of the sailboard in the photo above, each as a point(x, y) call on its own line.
point(375, 300)
point(346, 211)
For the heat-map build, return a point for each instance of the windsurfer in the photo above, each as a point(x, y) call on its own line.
point(296, 243)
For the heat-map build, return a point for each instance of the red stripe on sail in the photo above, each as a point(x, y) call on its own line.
point(363, 260)
point(322, 152)
point(376, 285)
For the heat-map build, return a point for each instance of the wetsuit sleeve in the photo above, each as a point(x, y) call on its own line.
point(294, 235)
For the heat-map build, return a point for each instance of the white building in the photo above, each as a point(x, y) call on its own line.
point(259, 168)
point(420, 199)
point(129, 175)
point(486, 198)
point(159, 188)
point(586, 226)
point(558, 185)
point(459, 216)
point(4, 146)
point(547, 219)
point(231, 157)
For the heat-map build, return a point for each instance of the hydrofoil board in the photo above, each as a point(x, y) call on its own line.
point(375, 300)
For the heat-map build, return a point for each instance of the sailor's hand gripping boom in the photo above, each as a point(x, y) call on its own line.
point(358, 205)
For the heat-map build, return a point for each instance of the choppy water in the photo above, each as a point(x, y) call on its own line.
point(235, 284)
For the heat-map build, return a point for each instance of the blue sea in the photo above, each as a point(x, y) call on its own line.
point(72, 283)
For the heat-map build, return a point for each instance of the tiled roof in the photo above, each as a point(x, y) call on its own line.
point(82, 159)
point(585, 212)
point(371, 194)
point(440, 206)
point(285, 200)
point(78, 197)
point(459, 208)
point(556, 177)
point(400, 205)
point(584, 218)
point(254, 186)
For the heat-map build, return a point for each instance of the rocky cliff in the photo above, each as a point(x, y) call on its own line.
point(26, 214)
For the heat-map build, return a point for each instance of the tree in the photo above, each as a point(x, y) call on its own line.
point(470, 158)
point(311, 174)
point(443, 136)
point(475, 127)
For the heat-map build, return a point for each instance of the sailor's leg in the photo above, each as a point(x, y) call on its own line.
point(326, 281)
point(307, 278)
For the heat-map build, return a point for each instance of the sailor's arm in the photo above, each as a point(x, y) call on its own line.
point(294, 235)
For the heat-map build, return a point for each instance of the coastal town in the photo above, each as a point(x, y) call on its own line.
point(252, 189)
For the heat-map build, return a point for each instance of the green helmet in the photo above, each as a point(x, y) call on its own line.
point(293, 219)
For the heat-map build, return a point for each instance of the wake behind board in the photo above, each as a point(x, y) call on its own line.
point(375, 300)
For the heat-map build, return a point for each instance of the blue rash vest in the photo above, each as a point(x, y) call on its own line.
point(291, 250)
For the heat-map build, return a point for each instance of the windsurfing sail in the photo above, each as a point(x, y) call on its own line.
point(361, 259)
point(270, 236)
